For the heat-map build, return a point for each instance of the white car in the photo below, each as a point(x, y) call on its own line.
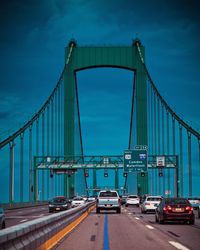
point(150, 204)
point(77, 201)
point(132, 200)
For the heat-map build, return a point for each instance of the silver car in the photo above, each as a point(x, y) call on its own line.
point(2, 219)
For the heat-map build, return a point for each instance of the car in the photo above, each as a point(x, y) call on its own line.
point(194, 201)
point(108, 200)
point(132, 200)
point(150, 203)
point(174, 209)
point(198, 211)
point(59, 203)
point(91, 198)
point(77, 201)
point(123, 199)
point(2, 219)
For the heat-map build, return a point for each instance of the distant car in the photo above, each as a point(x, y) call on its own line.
point(132, 200)
point(194, 201)
point(198, 211)
point(77, 201)
point(123, 199)
point(150, 204)
point(2, 219)
point(59, 203)
point(174, 209)
point(91, 198)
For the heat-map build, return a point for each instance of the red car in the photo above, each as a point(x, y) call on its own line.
point(174, 209)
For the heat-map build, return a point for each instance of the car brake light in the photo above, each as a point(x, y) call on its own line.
point(188, 208)
point(167, 208)
point(147, 204)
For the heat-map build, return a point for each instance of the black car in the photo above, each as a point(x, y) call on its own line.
point(174, 209)
point(59, 203)
point(2, 219)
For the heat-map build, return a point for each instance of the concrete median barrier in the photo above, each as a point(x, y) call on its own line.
point(43, 233)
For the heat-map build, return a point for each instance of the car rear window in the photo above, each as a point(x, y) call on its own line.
point(177, 201)
point(154, 199)
point(108, 194)
point(133, 196)
point(59, 200)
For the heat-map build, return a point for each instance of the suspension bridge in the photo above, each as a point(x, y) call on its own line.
point(45, 157)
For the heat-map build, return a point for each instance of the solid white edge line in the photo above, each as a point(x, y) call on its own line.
point(137, 218)
point(178, 245)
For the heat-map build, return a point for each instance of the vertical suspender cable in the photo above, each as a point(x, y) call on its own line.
point(37, 153)
point(189, 163)
point(155, 140)
point(43, 145)
point(48, 145)
point(152, 141)
point(174, 152)
point(163, 145)
point(52, 142)
point(21, 167)
point(159, 179)
point(11, 191)
point(30, 165)
point(181, 161)
point(168, 172)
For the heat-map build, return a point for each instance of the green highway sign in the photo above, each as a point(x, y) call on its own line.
point(135, 160)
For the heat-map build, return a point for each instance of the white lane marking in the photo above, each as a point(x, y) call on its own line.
point(41, 215)
point(150, 227)
point(137, 218)
point(178, 245)
point(23, 220)
point(19, 212)
point(129, 213)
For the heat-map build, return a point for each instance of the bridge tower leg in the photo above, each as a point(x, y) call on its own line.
point(69, 124)
point(141, 112)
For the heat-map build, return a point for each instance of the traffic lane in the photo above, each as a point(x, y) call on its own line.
point(87, 235)
point(127, 232)
point(187, 235)
point(20, 215)
point(109, 230)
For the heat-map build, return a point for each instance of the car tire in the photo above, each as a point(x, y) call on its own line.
point(126, 205)
point(191, 222)
point(50, 211)
point(97, 211)
point(138, 205)
point(156, 219)
point(118, 210)
point(160, 221)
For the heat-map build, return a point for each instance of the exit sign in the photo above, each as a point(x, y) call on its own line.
point(135, 160)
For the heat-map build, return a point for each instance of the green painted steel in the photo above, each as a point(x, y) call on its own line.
point(82, 58)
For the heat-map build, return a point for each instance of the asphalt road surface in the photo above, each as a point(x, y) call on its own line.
point(130, 230)
point(110, 231)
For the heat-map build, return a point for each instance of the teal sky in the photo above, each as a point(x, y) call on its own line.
point(34, 35)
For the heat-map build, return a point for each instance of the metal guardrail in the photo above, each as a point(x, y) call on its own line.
point(43, 233)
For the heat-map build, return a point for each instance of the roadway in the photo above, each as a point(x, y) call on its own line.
point(108, 230)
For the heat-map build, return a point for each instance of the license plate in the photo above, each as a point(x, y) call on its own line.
point(178, 209)
point(57, 208)
point(108, 205)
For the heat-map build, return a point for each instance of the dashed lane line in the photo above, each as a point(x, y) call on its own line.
point(150, 227)
point(178, 245)
point(137, 218)
point(23, 220)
